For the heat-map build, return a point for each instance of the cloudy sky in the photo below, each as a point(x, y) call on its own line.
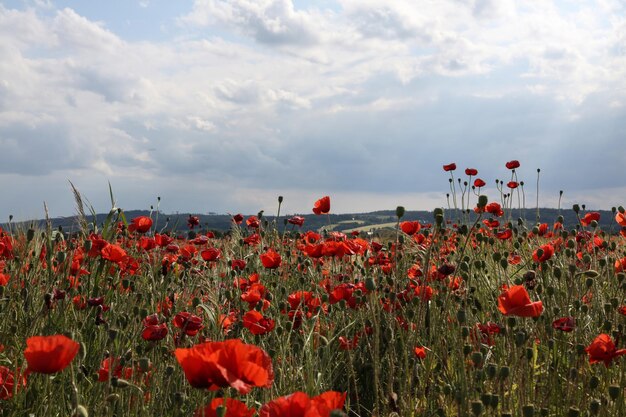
point(222, 105)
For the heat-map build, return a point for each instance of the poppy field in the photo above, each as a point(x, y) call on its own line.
point(477, 313)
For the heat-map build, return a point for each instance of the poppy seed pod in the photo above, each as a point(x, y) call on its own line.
point(614, 391)
point(594, 407)
point(399, 212)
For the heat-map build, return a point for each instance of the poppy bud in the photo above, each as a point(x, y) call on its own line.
point(112, 398)
point(370, 284)
point(30, 234)
point(528, 410)
point(476, 407)
point(399, 212)
point(169, 370)
point(614, 391)
point(465, 331)
point(482, 201)
point(511, 322)
point(589, 282)
point(477, 358)
point(179, 398)
point(594, 381)
point(461, 316)
point(119, 382)
point(80, 411)
point(529, 353)
point(594, 407)
point(112, 334)
point(280, 199)
point(520, 338)
point(576, 208)
point(467, 349)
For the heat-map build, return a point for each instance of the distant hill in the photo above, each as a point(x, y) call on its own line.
point(339, 222)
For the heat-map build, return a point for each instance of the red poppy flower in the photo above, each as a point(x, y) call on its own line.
point(322, 206)
point(113, 253)
point(514, 259)
point(564, 324)
point(49, 354)
point(504, 234)
point(237, 264)
point(296, 220)
point(110, 367)
point(544, 253)
point(449, 167)
point(211, 254)
point(348, 344)
point(270, 259)
point(234, 408)
point(471, 171)
point(140, 224)
point(420, 352)
point(516, 302)
point(512, 184)
point(257, 323)
point(300, 404)
point(189, 323)
point(153, 330)
point(602, 349)
point(484, 333)
point(491, 223)
point(589, 217)
point(4, 279)
point(215, 365)
point(410, 228)
point(620, 218)
point(252, 240)
point(193, 221)
point(494, 208)
point(238, 218)
point(253, 222)
point(8, 380)
point(622, 310)
point(512, 164)
point(479, 183)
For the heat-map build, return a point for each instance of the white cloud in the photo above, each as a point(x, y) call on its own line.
point(261, 94)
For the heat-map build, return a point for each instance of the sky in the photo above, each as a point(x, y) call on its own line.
point(223, 105)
